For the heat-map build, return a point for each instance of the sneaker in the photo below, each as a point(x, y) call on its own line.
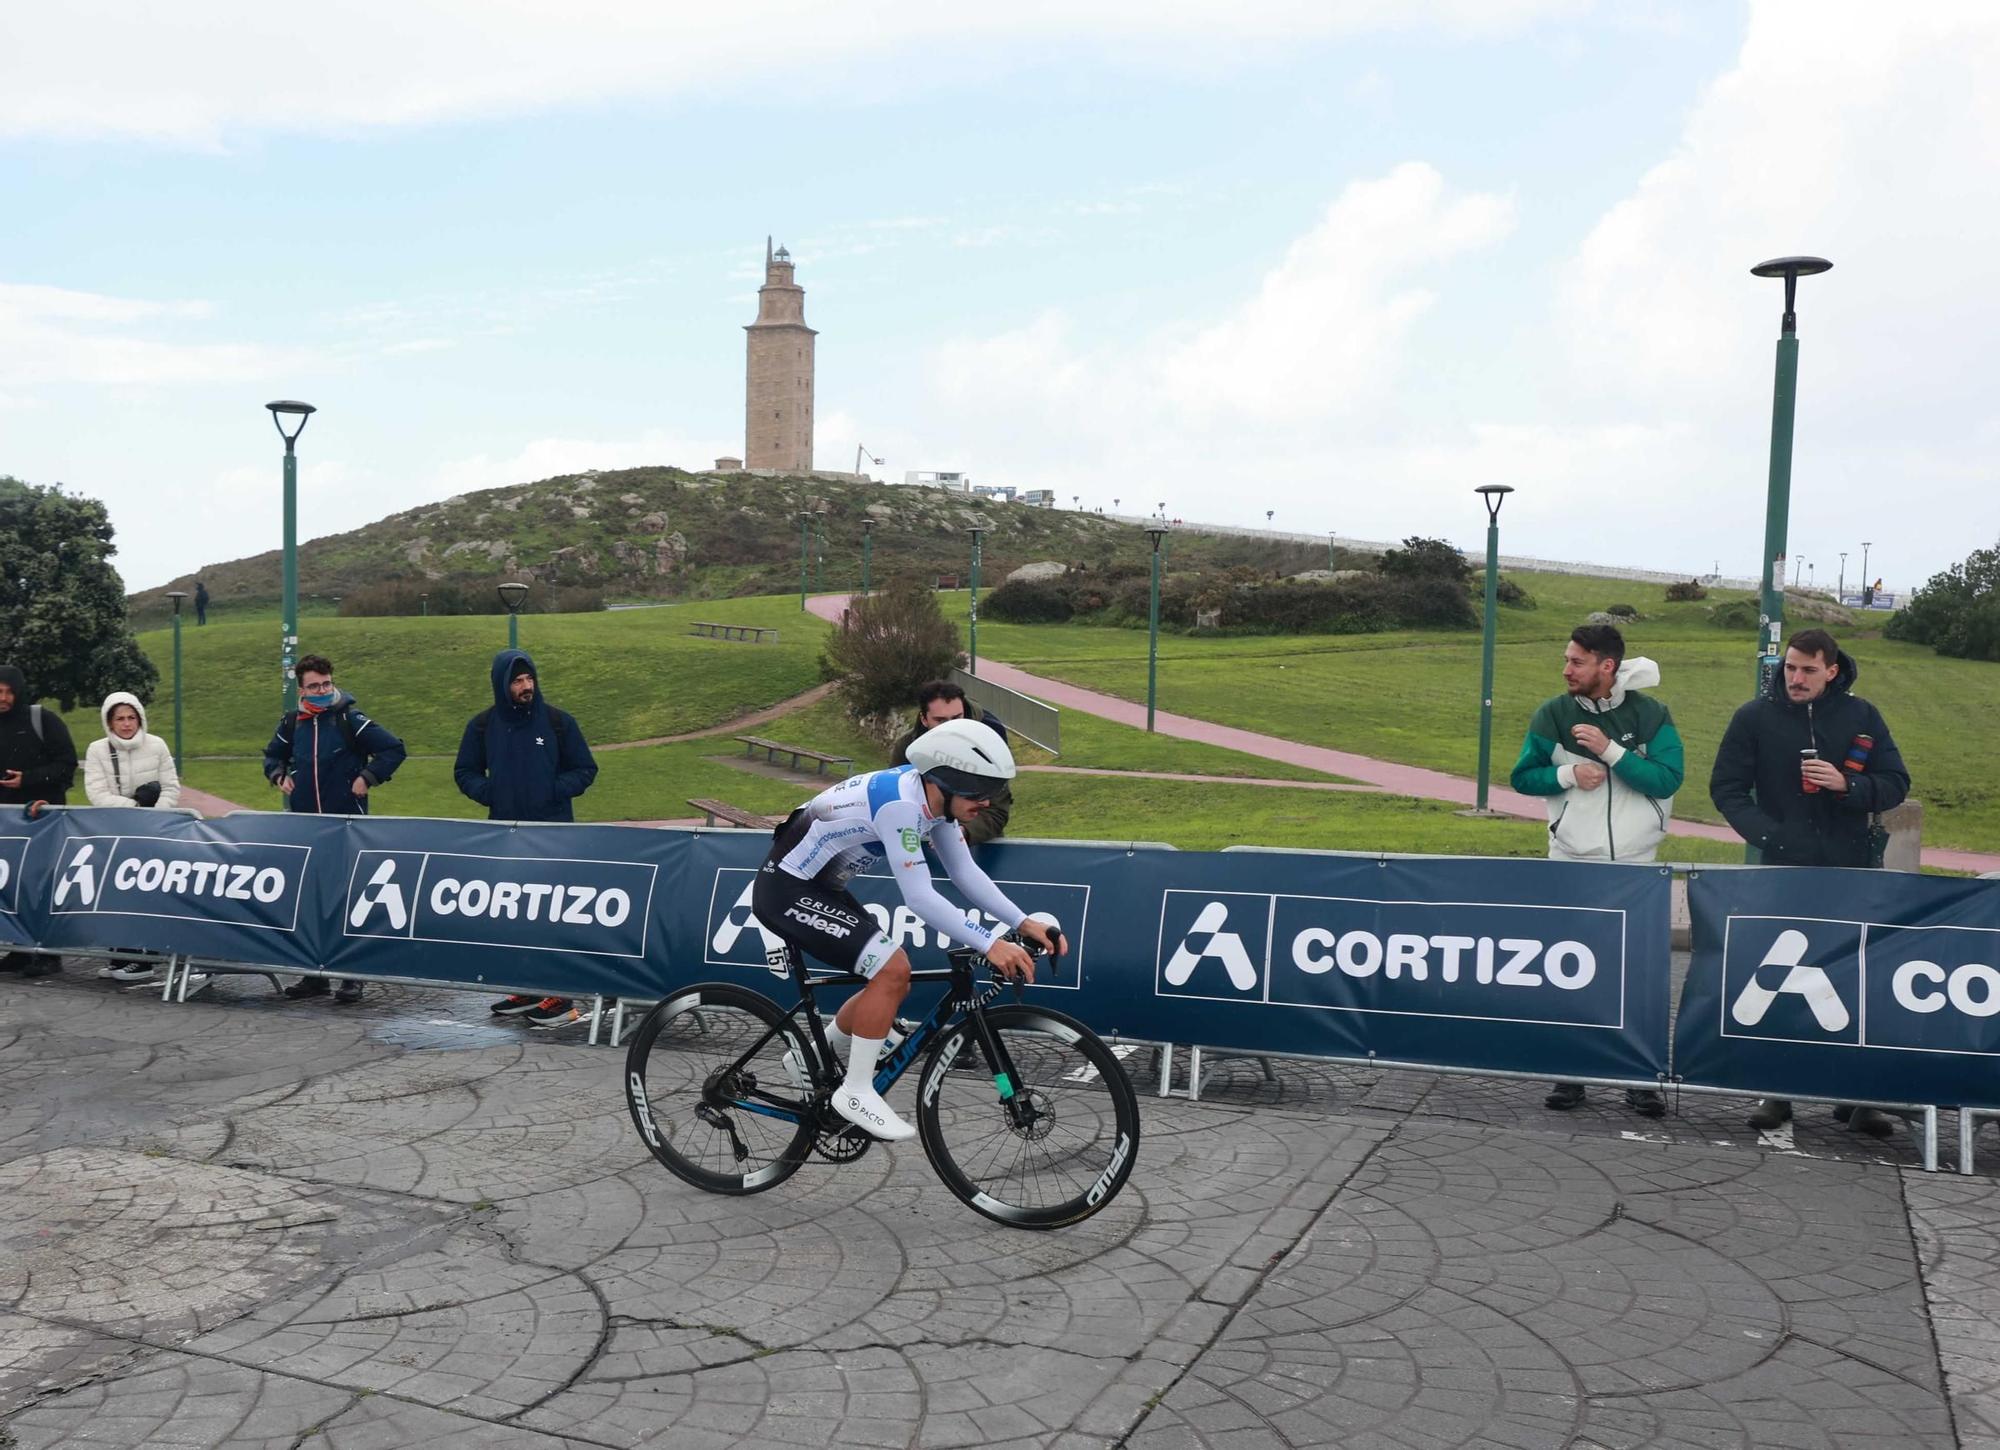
point(127, 972)
point(1646, 1102)
point(350, 992)
point(515, 1005)
point(1770, 1113)
point(863, 1107)
point(306, 987)
point(556, 1012)
point(1872, 1121)
point(1564, 1096)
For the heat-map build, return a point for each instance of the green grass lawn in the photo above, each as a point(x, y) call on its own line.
point(1413, 696)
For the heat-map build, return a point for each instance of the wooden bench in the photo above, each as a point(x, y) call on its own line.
point(754, 633)
point(773, 749)
point(732, 815)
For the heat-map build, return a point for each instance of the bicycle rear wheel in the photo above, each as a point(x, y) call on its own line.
point(1049, 1149)
point(725, 1122)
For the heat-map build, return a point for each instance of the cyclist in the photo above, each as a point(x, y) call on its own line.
point(801, 892)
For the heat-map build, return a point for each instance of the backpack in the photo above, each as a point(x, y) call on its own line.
point(35, 723)
point(350, 732)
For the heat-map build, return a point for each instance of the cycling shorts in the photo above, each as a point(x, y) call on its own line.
point(821, 918)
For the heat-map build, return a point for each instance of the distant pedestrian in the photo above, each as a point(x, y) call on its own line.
point(37, 763)
point(131, 767)
point(937, 702)
point(1609, 761)
point(200, 602)
point(1801, 774)
point(326, 756)
point(525, 760)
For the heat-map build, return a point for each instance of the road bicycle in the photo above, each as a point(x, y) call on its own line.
point(1023, 1112)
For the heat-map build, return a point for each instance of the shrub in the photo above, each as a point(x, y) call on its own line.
point(447, 596)
point(1957, 612)
point(1736, 614)
point(1506, 591)
point(1421, 558)
point(1623, 611)
point(1029, 601)
point(1683, 593)
point(888, 647)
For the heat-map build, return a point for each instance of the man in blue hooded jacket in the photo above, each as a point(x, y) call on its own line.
point(524, 760)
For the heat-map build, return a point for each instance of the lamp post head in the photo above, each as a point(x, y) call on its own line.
point(288, 408)
point(513, 594)
point(1791, 269)
point(867, 527)
point(1493, 495)
point(177, 595)
point(1157, 532)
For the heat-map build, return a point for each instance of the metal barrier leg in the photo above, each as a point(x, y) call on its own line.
point(596, 1016)
point(1166, 1070)
point(1265, 1063)
point(1930, 1139)
point(1967, 1126)
point(1194, 1074)
point(617, 1021)
point(167, 987)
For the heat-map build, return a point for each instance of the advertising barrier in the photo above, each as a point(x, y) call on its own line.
point(13, 856)
point(1868, 986)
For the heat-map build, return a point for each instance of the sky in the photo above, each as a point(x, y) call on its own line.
point(1343, 261)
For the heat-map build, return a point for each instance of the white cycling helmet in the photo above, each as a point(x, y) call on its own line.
point(963, 758)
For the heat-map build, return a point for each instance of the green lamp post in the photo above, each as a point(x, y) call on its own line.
point(978, 532)
point(1329, 551)
point(819, 551)
point(1778, 491)
point(1492, 495)
point(1157, 533)
point(281, 410)
point(513, 594)
point(805, 526)
point(425, 601)
point(177, 595)
point(867, 552)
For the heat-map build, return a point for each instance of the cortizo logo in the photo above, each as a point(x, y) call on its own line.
point(1207, 941)
point(381, 891)
point(223, 880)
point(80, 875)
point(1973, 988)
point(1811, 984)
point(1504, 961)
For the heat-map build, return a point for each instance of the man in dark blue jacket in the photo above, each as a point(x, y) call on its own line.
point(525, 760)
point(326, 757)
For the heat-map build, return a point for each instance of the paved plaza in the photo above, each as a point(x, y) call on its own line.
point(244, 1222)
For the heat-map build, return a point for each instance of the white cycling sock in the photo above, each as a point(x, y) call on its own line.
point(835, 1038)
point(861, 1055)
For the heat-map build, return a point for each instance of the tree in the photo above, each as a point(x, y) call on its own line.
point(62, 605)
point(890, 645)
point(1958, 612)
point(1425, 559)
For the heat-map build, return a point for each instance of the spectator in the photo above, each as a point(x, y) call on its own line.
point(130, 767)
point(326, 756)
point(525, 760)
point(200, 602)
point(37, 763)
point(1609, 761)
point(938, 702)
point(1815, 809)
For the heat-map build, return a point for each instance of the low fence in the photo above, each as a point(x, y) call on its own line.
point(1809, 984)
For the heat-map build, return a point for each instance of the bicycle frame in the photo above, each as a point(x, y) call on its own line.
point(963, 994)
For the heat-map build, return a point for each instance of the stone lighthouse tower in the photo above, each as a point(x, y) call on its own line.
point(778, 415)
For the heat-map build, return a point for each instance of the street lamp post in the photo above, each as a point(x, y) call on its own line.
point(425, 600)
point(1865, 580)
point(1492, 495)
point(177, 595)
point(819, 551)
point(805, 524)
point(1840, 588)
point(1156, 534)
point(867, 552)
point(1329, 551)
point(282, 409)
point(978, 532)
point(1778, 491)
point(1798, 563)
point(513, 594)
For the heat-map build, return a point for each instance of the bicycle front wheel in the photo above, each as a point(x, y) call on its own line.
point(712, 1092)
point(1050, 1147)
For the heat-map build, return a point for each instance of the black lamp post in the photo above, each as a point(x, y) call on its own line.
point(1155, 532)
point(513, 594)
point(978, 532)
point(1778, 491)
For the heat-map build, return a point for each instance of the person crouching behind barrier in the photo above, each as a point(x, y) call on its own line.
point(1609, 760)
point(131, 766)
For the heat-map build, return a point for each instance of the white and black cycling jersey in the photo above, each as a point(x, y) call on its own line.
point(883, 816)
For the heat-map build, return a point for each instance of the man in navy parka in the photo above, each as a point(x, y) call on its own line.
point(523, 759)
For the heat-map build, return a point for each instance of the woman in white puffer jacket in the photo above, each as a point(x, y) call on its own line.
point(117, 768)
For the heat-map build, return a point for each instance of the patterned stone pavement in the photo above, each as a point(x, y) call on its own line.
point(245, 1222)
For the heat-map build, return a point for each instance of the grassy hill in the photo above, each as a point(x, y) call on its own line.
point(664, 533)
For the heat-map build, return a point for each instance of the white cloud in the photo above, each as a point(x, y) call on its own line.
point(53, 335)
point(202, 71)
